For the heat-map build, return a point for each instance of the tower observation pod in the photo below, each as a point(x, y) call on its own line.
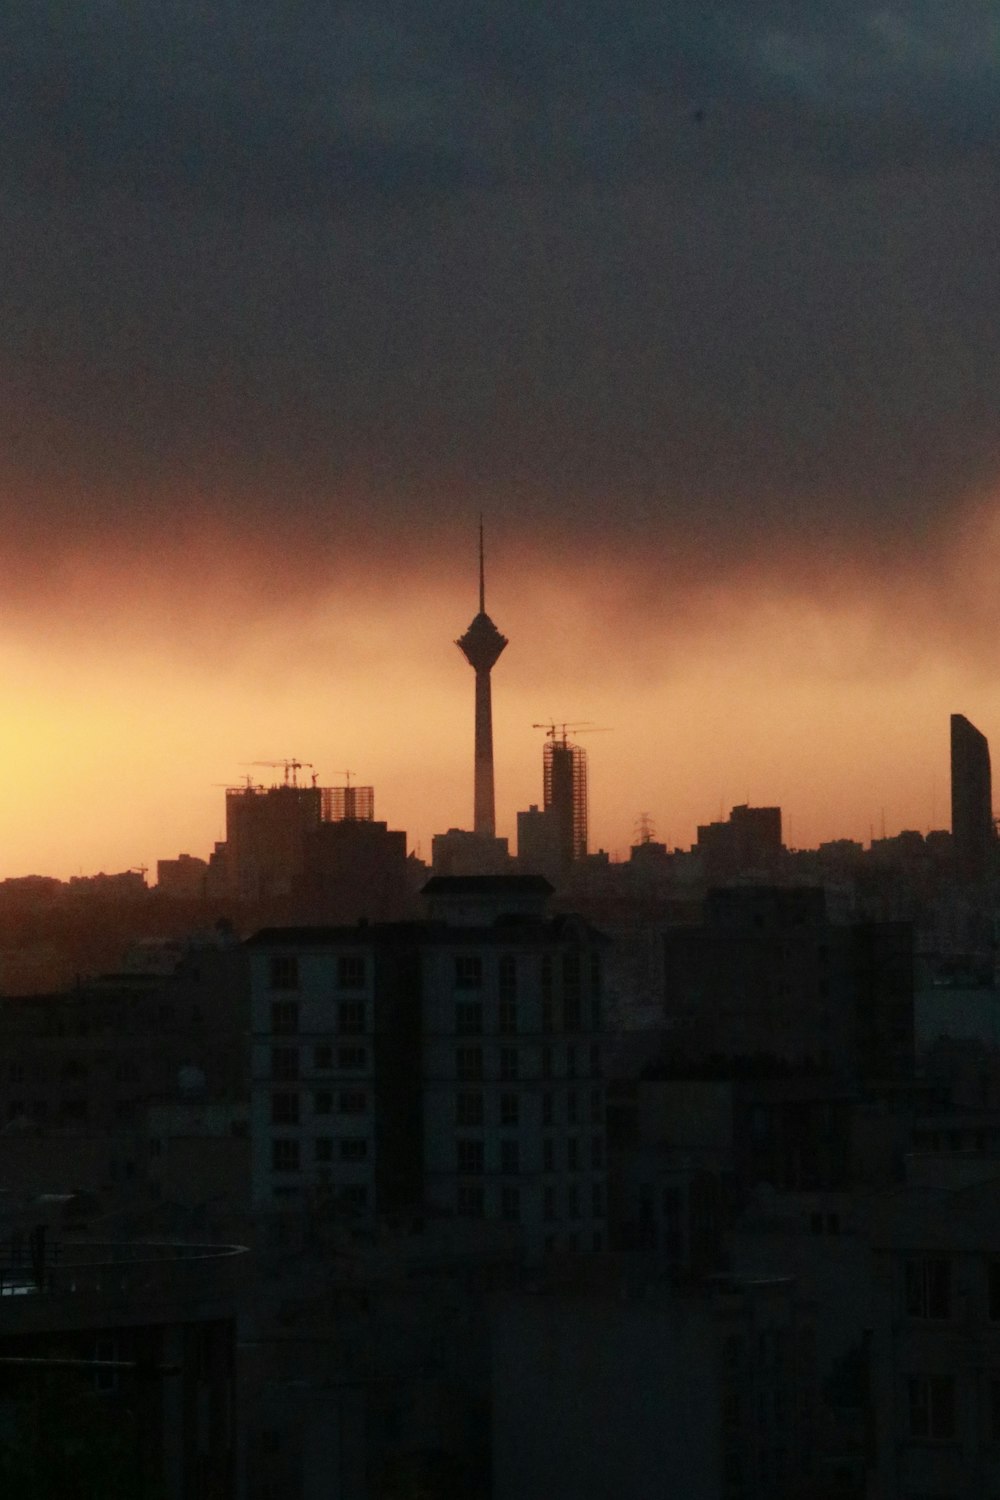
point(481, 646)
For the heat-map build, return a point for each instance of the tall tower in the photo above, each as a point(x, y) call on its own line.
point(971, 799)
point(481, 646)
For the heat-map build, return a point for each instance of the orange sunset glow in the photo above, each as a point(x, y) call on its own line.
point(806, 683)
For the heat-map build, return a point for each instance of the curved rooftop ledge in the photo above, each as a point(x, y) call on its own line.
point(132, 1281)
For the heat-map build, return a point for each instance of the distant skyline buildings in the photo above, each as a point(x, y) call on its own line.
point(694, 737)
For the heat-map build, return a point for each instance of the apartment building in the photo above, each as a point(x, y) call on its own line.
point(450, 1067)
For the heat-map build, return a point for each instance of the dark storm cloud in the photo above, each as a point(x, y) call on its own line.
point(608, 265)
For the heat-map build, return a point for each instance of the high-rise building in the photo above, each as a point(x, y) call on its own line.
point(565, 789)
point(971, 798)
point(451, 1066)
point(481, 646)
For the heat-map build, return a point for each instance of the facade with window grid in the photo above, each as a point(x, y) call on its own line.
point(511, 1114)
point(935, 1344)
point(447, 1066)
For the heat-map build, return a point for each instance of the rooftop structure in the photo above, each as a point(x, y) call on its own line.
point(481, 646)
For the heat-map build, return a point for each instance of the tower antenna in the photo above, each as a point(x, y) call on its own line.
point(482, 571)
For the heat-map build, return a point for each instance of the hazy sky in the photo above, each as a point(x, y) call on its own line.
point(698, 308)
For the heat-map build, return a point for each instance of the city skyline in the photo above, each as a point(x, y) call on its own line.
point(691, 308)
point(678, 744)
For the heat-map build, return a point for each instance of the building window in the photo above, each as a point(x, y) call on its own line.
point(549, 1204)
point(469, 1018)
point(547, 979)
point(351, 971)
point(571, 974)
point(469, 1064)
point(596, 1107)
point(571, 1102)
point(509, 1163)
point(596, 1014)
point(285, 1063)
point(571, 1013)
point(932, 1408)
point(284, 1017)
point(323, 1148)
point(351, 1017)
point(470, 1157)
point(596, 1200)
point(323, 1102)
point(595, 1060)
point(351, 1059)
point(509, 1109)
point(548, 1155)
point(570, 1062)
point(353, 1148)
point(507, 1017)
point(355, 1197)
point(352, 1101)
point(572, 1154)
point(547, 1110)
point(548, 1014)
point(573, 1200)
point(285, 1155)
point(468, 971)
point(470, 1200)
point(510, 1202)
point(323, 1058)
point(283, 972)
point(597, 1152)
point(468, 1109)
point(284, 1109)
point(507, 977)
point(508, 1064)
point(928, 1287)
point(546, 1062)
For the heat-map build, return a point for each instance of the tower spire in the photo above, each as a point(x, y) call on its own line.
point(482, 571)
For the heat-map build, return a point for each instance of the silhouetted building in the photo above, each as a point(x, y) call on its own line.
point(749, 842)
point(459, 852)
point(564, 769)
point(354, 868)
point(183, 878)
point(481, 646)
point(265, 838)
point(971, 798)
point(538, 850)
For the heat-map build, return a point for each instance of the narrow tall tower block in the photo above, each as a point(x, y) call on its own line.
point(481, 646)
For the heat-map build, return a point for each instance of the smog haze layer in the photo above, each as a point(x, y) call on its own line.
point(697, 310)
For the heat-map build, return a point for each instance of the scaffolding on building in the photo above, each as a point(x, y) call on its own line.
point(565, 792)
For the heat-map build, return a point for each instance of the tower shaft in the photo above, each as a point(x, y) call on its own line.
point(484, 812)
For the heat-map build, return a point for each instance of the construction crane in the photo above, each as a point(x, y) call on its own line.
point(559, 733)
point(291, 768)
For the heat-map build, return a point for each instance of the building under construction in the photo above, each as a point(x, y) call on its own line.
point(268, 830)
point(551, 840)
point(565, 794)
